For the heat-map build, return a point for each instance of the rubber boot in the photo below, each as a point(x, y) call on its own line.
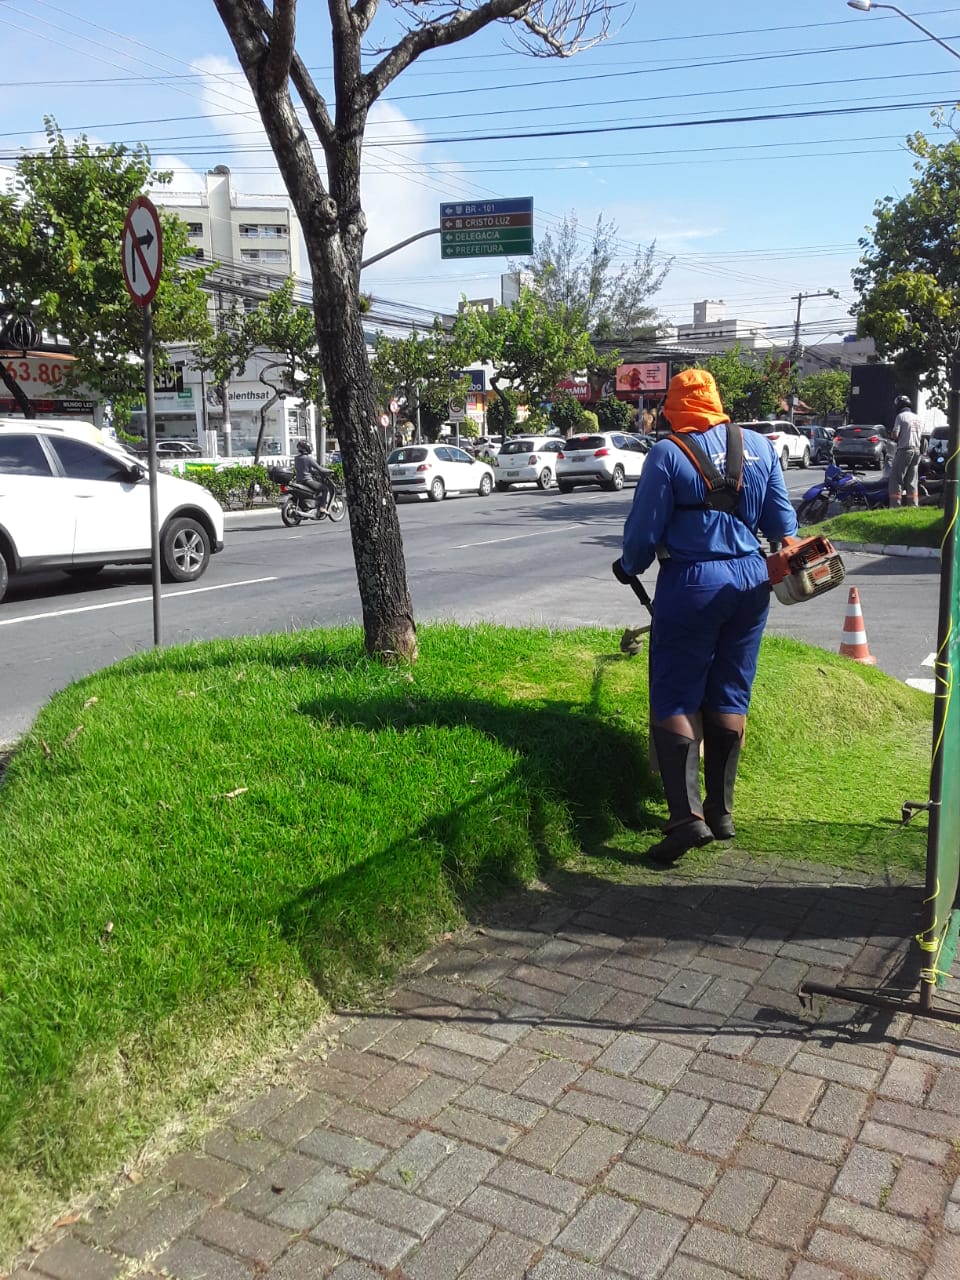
point(721, 755)
point(678, 759)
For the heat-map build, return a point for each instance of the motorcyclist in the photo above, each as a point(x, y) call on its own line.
point(312, 476)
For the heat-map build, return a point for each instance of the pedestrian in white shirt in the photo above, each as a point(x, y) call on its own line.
point(904, 473)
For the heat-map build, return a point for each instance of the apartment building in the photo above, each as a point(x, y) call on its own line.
point(255, 240)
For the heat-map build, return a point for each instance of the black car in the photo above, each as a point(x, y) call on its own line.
point(936, 454)
point(821, 443)
point(863, 445)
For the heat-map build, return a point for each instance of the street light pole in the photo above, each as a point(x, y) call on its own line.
point(865, 6)
point(795, 349)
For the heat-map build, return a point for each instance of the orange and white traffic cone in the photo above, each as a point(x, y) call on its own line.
point(854, 643)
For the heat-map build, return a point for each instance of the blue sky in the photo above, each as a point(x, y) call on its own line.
point(752, 212)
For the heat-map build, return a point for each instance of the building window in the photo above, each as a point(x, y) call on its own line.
point(278, 256)
point(258, 230)
point(194, 229)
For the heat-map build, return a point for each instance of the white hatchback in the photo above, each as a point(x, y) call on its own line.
point(73, 499)
point(527, 460)
point(609, 459)
point(789, 442)
point(436, 470)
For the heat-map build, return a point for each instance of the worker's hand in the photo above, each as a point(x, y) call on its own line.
point(620, 573)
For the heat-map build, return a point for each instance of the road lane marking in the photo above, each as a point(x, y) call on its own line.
point(122, 604)
point(517, 537)
point(929, 661)
point(925, 686)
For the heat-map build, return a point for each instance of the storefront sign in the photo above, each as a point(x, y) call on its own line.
point(579, 390)
point(637, 378)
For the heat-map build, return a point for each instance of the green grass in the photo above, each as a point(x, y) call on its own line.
point(900, 526)
point(206, 846)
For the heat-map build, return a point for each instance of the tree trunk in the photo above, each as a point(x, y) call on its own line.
point(13, 386)
point(388, 623)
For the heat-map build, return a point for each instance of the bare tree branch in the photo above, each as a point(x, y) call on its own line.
point(282, 35)
point(560, 24)
point(364, 12)
point(314, 103)
point(561, 27)
point(247, 24)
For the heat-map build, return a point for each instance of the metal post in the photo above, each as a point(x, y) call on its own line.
point(941, 694)
point(152, 466)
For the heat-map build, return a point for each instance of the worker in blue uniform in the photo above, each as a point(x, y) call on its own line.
point(712, 600)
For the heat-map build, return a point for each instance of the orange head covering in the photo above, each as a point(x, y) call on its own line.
point(693, 402)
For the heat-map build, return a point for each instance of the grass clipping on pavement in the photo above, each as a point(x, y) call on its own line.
point(205, 847)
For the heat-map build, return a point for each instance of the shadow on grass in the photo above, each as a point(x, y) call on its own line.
point(576, 777)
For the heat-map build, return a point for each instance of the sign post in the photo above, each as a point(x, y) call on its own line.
point(141, 248)
point(487, 228)
point(456, 412)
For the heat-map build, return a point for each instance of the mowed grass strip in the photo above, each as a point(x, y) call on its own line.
point(889, 526)
point(205, 847)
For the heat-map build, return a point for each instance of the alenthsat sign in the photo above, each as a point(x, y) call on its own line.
point(487, 228)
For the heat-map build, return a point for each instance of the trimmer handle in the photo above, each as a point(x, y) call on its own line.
point(633, 582)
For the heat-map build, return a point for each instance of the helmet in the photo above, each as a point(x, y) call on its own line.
point(902, 402)
point(303, 446)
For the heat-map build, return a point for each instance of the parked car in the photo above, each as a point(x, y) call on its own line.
point(72, 499)
point(436, 470)
point(788, 440)
point(179, 449)
point(170, 449)
point(821, 443)
point(527, 460)
point(608, 459)
point(937, 448)
point(856, 445)
point(484, 446)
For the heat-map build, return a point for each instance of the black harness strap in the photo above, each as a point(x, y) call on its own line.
point(723, 487)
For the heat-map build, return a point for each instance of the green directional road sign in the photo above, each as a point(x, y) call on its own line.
point(486, 228)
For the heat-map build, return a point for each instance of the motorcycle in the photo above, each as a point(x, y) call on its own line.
point(300, 503)
point(844, 487)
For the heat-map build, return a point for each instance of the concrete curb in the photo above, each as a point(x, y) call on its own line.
point(889, 549)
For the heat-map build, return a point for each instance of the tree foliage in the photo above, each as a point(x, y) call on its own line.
point(909, 272)
point(531, 346)
point(613, 414)
point(566, 413)
point(423, 370)
point(826, 392)
point(60, 262)
point(750, 391)
point(573, 275)
point(334, 224)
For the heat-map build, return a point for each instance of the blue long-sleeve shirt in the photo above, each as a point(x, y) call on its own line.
point(669, 478)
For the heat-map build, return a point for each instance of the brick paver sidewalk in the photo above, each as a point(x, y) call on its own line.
point(610, 1080)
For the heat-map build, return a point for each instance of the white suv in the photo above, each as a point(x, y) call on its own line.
point(608, 459)
point(527, 460)
point(790, 443)
point(72, 499)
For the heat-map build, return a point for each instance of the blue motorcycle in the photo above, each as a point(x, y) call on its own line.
point(847, 488)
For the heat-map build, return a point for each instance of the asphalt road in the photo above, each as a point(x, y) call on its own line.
point(522, 558)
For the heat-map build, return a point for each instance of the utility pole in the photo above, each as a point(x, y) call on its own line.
point(798, 298)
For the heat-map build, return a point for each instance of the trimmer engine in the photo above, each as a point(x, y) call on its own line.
point(804, 568)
